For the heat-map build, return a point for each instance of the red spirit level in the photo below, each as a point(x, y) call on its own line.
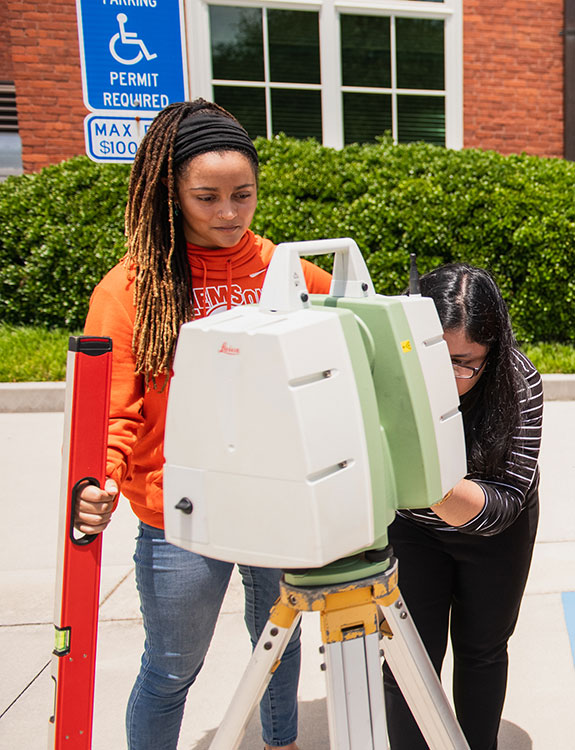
point(88, 377)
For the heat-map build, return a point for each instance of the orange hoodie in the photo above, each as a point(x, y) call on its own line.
point(221, 279)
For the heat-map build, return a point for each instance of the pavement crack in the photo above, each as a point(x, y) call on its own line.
point(21, 693)
point(116, 587)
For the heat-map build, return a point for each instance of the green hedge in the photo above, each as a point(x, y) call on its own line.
point(61, 229)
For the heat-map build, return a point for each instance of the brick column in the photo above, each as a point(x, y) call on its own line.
point(513, 76)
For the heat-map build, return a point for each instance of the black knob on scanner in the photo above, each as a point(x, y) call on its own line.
point(185, 505)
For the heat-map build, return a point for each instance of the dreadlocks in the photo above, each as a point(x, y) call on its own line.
point(155, 240)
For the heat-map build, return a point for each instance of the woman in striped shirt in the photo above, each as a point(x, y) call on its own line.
point(463, 563)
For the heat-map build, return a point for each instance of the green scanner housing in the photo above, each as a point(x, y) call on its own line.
point(404, 453)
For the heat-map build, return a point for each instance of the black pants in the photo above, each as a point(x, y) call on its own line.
point(471, 588)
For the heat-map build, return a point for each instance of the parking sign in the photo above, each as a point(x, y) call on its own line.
point(133, 54)
point(111, 138)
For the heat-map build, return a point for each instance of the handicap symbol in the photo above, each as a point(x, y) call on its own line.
point(128, 37)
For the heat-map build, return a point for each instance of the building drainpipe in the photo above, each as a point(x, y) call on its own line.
point(569, 80)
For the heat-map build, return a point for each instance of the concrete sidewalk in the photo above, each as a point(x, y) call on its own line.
point(540, 707)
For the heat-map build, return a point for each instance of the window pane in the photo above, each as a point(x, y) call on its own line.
point(293, 46)
point(297, 113)
point(237, 43)
point(365, 51)
point(365, 116)
point(245, 103)
point(421, 118)
point(419, 53)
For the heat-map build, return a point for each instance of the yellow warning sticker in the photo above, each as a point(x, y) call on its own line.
point(406, 345)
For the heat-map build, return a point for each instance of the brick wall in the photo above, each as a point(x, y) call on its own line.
point(46, 71)
point(5, 56)
point(513, 76)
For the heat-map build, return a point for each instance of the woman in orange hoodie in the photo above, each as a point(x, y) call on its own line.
point(192, 196)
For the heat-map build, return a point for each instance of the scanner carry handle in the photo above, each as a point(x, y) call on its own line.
point(284, 288)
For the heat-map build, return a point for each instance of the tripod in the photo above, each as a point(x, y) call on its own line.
point(361, 621)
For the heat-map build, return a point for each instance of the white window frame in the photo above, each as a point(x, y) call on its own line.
point(450, 11)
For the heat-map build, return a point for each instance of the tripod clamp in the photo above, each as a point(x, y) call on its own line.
point(347, 610)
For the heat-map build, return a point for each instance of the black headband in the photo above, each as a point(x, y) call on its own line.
point(211, 132)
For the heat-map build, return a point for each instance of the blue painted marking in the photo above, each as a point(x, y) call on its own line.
point(568, 599)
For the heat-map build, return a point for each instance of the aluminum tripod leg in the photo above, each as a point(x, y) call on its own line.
point(418, 681)
point(264, 660)
point(355, 706)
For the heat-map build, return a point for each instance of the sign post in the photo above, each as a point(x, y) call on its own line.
point(133, 65)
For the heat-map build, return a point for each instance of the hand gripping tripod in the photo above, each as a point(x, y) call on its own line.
point(361, 621)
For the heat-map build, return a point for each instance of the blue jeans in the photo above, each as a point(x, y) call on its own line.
point(181, 594)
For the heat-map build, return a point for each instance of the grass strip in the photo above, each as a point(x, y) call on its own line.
point(551, 358)
point(30, 354)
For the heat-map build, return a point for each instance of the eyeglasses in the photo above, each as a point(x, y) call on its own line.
point(465, 372)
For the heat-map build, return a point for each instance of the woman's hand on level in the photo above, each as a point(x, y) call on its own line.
point(94, 507)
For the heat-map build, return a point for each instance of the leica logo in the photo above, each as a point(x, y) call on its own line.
point(226, 349)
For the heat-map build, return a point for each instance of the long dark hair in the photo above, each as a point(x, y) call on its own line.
point(468, 298)
point(155, 238)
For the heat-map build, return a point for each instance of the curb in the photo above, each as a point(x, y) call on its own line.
point(32, 397)
point(50, 397)
point(558, 387)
